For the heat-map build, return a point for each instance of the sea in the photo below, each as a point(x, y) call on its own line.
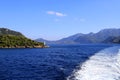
point(61, 62)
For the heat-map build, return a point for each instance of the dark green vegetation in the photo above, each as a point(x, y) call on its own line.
point(103, 36)
point(13, 39)
point(5, 31)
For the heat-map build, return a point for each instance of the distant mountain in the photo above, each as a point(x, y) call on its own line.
point(106, 33)
point(80, 38)
point(45, 41)
point(41, 40)
point(14, 39)
point(112, 40)
point(68, 40)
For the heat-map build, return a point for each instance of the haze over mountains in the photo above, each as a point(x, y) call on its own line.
point(103, 36)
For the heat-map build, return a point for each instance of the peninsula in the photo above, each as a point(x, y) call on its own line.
point(14, 39)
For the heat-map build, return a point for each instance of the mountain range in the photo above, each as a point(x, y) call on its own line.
point(103, 36)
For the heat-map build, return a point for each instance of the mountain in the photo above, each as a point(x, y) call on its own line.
point(42, 40)
point(68, 40)
point(106, 33)
point(14, 39)
point(80, 38)
point(112, 40)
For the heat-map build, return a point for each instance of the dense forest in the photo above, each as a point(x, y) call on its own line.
point(13, 39)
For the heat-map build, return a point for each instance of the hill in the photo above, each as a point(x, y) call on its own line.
point(5, 31)
point(14, 39)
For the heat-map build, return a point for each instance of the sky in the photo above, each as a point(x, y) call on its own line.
point(56, 19)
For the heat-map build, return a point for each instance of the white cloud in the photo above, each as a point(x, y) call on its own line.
point(60, 14)
point(56, 13)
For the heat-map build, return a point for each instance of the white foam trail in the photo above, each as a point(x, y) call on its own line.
point(104, 65)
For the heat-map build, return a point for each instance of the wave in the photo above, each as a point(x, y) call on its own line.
point(104, 65)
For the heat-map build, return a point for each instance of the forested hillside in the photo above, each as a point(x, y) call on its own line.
point(13, 39)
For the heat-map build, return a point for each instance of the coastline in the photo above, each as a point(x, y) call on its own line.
point(25, 46)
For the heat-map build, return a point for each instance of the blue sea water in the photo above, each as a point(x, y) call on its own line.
point(59, 62)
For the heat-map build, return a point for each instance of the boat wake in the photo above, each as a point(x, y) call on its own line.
point(104, 65)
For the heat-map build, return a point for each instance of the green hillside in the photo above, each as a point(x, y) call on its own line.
point(13, 39)
point(5, 31)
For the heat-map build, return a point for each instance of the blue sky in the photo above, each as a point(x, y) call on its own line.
point(55, 19)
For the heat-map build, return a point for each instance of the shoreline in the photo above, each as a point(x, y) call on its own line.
point(1, 47)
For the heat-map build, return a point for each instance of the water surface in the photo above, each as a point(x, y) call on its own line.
point(55, 63)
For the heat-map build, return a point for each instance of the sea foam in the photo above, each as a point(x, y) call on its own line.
point(104, 65)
